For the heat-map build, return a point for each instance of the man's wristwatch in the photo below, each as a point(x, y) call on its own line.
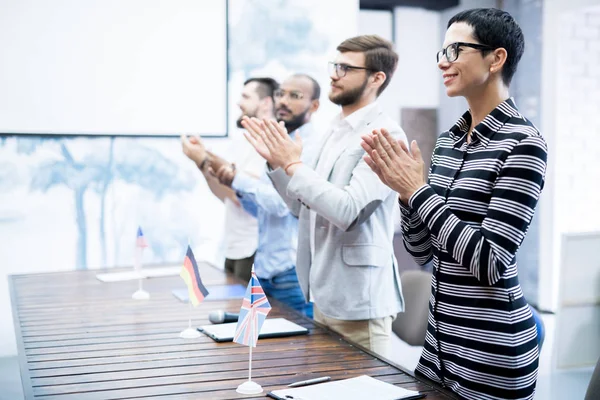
point(203, 163)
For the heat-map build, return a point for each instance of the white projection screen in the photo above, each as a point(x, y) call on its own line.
point(113, 67)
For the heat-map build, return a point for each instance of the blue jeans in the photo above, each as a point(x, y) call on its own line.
point(285, 288)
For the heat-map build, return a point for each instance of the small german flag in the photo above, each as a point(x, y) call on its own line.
point(191, 276)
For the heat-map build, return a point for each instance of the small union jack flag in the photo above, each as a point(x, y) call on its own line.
point(253, 313)
point(140, 240)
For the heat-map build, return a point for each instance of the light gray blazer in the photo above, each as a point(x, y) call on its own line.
point(354, 274)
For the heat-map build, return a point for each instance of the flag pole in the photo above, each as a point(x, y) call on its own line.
point(251, 321)
point(250, 362)
point(250, 387)
point(189, 332)
point(190, 315)
point(139, 294)
point(138, 253)
point(190, 302)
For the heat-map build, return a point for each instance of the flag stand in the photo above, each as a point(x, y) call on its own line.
point(196, 290)
point(250, 387)
point(139, 294)
point(189, 332)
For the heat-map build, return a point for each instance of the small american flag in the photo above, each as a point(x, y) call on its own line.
point(253, 313)
point(140, 240)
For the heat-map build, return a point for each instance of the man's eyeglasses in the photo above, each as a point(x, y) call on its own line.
point(451, 51)
point(280, 94)
point(342, 69)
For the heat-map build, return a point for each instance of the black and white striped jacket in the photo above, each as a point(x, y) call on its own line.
point(471, 218)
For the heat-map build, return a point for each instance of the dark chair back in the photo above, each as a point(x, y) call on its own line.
point(411, 325)
point(593, 390)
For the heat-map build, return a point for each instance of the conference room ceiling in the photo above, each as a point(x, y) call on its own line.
point(436, 5)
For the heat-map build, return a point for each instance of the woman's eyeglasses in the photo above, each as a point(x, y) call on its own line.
point(452, 50)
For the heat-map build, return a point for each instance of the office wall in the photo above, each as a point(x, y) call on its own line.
point(69, 203)
point(578, 99)
point(418, 80)
point(376, 22)
point(570, 83)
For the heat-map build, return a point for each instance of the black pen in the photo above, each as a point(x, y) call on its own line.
point(310, 381)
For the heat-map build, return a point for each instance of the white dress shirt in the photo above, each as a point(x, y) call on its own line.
point(340, 129)
point(241, 228)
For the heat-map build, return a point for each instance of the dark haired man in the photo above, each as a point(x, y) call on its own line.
point(295, 101)
point(241, 229)
point(346, 263)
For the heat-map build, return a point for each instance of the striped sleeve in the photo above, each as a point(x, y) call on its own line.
point(416, 235)
point(487, 252)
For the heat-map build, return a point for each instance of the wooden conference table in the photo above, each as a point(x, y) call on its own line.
point(80, 338)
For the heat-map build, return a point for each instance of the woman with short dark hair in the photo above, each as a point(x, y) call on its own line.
point(486, 176)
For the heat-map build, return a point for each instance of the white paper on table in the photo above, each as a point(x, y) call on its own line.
point(143, 273)
point(359, 388)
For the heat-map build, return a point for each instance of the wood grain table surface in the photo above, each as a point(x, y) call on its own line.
point(82, 339)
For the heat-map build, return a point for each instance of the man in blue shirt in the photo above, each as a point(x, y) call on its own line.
point(295, 101)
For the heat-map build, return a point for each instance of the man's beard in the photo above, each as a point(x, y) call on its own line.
point(296, 122)
point(239, 120)
point(350, 96)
